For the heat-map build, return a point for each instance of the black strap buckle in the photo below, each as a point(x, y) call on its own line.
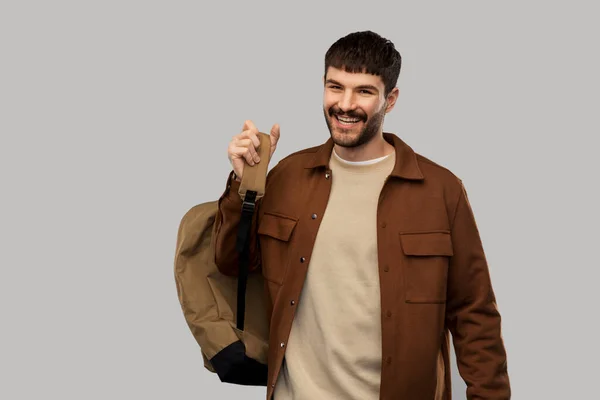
point(248, 206)
point(249, 203)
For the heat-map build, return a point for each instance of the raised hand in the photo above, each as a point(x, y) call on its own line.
point(243, 147)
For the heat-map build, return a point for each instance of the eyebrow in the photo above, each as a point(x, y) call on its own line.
point(370, 87)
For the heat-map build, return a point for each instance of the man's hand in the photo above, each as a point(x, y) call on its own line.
point(242, 149)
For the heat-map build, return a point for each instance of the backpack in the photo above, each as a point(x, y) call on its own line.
point(234, 343)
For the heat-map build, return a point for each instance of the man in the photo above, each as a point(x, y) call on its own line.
point(370, 253)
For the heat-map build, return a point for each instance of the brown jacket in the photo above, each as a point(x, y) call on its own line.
point(434, 276)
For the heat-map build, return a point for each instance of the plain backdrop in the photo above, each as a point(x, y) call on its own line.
point(115, 118)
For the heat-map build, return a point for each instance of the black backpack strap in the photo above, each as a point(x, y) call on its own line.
point(252, 188)
point(243, 249)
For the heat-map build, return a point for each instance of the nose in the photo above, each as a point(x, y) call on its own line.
point(346, 102)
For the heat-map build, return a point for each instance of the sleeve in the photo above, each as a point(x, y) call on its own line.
point(226, 230)
point(472, 314)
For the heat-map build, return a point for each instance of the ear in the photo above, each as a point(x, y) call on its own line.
point(391, 99)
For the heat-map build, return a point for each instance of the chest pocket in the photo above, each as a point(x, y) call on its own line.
point(426, 260)
point(275, 233)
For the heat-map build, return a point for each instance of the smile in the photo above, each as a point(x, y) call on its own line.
point(346, 122)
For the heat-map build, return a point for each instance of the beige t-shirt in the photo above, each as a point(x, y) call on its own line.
point(334, 348)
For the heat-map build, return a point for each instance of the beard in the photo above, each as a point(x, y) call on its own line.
point(347, 137)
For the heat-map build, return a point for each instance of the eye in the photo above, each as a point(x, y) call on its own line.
point(365, 91)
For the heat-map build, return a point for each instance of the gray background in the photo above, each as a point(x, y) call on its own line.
point(115, 119)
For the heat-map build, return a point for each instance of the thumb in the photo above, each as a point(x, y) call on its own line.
point(275, 133)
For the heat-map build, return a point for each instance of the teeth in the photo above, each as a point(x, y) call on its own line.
point(348, 120)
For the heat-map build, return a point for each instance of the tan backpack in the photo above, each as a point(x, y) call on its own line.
point(234, 343)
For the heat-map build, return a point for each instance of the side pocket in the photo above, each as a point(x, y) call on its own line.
point(426, 260)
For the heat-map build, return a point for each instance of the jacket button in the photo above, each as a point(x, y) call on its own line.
point(314, 216)
point(282, 344)
point(389, 314)
point(292, 302)
point(386, 268)
point(383, 225)
point(272, 385)
point(388, 360)
point(302, 259)
point(327, 175)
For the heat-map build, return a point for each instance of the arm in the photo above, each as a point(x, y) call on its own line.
point(226, 230)
point(471, 312)
point(242, 150)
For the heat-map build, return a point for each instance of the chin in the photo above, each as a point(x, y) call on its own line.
point(345, 139)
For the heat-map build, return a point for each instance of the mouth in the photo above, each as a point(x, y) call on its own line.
point(345, 122)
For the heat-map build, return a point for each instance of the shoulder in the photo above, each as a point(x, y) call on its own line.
point(299, 156)
point(441, 181)
point(435, 172)
point(294, 162)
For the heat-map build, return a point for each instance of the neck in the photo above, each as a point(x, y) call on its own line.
point(378, 147)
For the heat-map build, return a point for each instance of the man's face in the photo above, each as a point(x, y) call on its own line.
point(354, 106)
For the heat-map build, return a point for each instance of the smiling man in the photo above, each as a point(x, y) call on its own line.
point(370, 253)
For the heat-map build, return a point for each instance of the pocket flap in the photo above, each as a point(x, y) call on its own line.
point(426, 243)
point(277, 226)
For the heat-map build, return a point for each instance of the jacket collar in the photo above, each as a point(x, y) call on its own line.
point(406, 165)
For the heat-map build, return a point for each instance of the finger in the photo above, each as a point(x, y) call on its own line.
point(243, 152)
point(251, 128)
point(275, 133)
point(253, 153)
point(274, 136)
point(247, 144)
point(242, 142)
point(233, 151)
point(250, 155)
point(249, 125)
point(252, 136)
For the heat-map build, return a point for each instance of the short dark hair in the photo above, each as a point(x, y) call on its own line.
point(366, 52)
